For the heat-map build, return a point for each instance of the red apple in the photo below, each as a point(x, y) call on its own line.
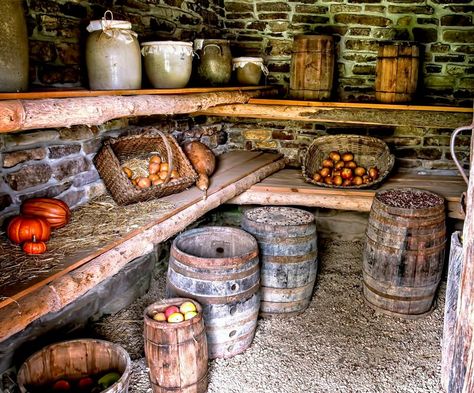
point(346, 173)
point(171, 310)
point(61, 386)
point(85, 383)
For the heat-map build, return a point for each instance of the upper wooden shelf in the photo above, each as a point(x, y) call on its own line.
point(371, 114)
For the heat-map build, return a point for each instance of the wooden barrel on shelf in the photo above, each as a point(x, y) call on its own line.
point(73, 360)
point(288, 251)
point(404, 251)
point(219, 267)
point(176, 353)
point(312, 67)
point(397, 72)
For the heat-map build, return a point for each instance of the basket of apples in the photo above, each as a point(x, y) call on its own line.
point(347, 161)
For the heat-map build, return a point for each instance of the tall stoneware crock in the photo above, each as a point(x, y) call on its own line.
point(13, 47)
point(113, 55)
point(214, 61)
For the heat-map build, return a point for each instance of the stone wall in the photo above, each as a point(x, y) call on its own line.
point(443, 29)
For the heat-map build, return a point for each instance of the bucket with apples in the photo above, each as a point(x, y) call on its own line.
point(176, 346)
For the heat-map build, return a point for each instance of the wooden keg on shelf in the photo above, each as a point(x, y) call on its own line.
point(176, 353)
point(312, 67)
point(288, 250)
point(404, 251)
point(397, 72)
point(219, 267)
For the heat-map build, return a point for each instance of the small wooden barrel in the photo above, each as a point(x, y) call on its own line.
point(397, 72)
point(176, 353)
point(73, 360)
point(450, 307)
point(288, 251)
point(219, 267)
point(404, 251)
point(312, 67)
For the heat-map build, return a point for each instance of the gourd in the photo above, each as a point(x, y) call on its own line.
point(55, 211)
point(34, 247)
point(203, 161)
point(23, 228)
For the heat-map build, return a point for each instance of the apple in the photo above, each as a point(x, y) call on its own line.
point(346, 173)
point(359, 171)
point(328, 180)
point(337, 180)
point(335, 156)
point(186, 307)
point(176, 317)
point(325, 172)
point(328, 163)
point(374, 173)
point(339, 165)
point(85, 383)
point(348, 156)
point(350, 164)
point(61, 386)
point(189, 315)
point(171, 310)
point(160, 317)
point(357, 181)
point(317, 177)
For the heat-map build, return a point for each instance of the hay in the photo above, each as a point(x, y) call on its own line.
point(91, 226)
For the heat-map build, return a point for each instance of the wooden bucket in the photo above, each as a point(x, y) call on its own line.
point(450, 307)
point(219, 267)
point(312, 67)
point(397, 72)
point(75, 359)
point(404, 251)
point(288, 251)
point(176, 353)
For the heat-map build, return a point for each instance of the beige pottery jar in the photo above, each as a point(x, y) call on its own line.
point(13, 47)
point(214, 61)
point(248, 70)
point(168, 64)
point(113, 55)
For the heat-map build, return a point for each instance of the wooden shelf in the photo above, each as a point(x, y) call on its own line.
point(287, 187)
point(21, 303)
point(347, 113)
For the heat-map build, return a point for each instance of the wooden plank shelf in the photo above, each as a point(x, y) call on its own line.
point(370, 114)
point(22, 303)
point(287, 187)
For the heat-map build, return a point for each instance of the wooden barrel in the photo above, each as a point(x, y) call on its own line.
point(450, 307)
point(219, 267)
point(176, 353)
point(397, 72)
point(312, 67)
point(404, 251)
point(288, 251)
point(73, 360)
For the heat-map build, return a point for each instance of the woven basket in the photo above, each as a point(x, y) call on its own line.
point(116, 151)
point(368, 152)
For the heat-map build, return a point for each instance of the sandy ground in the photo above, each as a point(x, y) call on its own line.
point(338, 344)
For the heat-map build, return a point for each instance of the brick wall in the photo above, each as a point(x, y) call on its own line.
point(443, 29)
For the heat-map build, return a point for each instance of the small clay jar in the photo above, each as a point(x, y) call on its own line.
point(13, 47)
point(113, 55)
point(248, 70)
point(168, 64)
point(214, 61)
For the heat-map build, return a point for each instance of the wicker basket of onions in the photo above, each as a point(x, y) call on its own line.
point(347, 161)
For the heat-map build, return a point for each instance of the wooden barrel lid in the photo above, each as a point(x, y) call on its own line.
point(281, 216)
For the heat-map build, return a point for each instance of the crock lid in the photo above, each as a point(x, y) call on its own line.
point(96, 25)
point(172, 43)
point(247, 59)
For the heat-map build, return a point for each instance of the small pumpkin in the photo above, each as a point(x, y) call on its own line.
point(23, 228)
point(55, 211)
point(34, 247)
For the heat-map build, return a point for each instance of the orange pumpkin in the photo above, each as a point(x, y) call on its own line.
point(23, 228)
point(55, 211)
point(34, 247)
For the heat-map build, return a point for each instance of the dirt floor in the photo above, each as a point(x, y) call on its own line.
point(338, 344)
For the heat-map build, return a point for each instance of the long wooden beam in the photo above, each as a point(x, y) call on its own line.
point(378, 115)
point(30, 114)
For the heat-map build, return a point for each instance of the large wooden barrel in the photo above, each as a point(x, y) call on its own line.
point(73, 360)
point(404, 251)
point(288, 251)
point(397, 72)
point(219, 267)
point(450, 307)
point(312, 67)
point(176, 353)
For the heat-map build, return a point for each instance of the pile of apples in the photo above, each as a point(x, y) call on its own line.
point(175, 314)
point(157, 173)
point(341, 170)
